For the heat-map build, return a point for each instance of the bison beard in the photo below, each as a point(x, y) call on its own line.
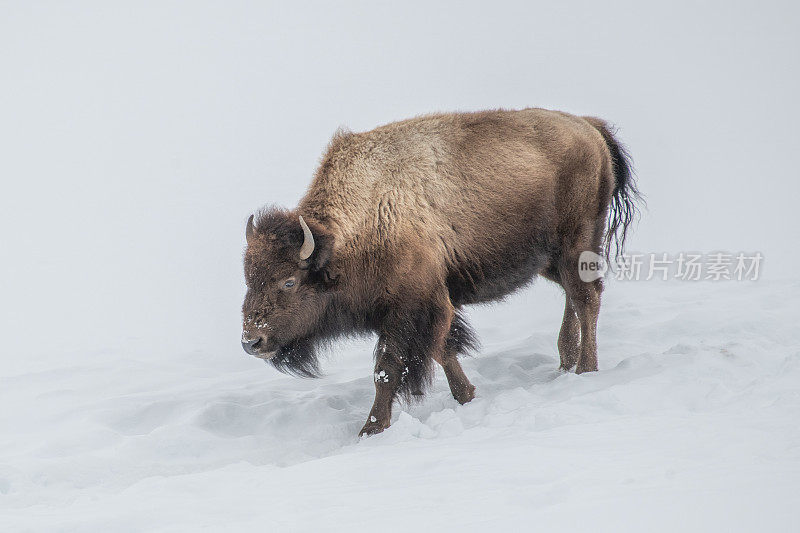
point(299, 358)
point(405, 350)
point(404, 225)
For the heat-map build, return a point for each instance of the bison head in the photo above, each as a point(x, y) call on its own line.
point(285, 268)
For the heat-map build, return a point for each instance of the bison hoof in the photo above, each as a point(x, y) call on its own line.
point(465, 395)
point(580, 369)
point(372, 427)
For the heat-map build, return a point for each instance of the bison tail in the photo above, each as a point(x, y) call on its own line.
point(623, 208)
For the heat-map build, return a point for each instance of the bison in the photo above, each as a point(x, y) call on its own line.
point(404, 225)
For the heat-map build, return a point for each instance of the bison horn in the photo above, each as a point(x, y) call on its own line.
point(250, 229)
point(308, 241)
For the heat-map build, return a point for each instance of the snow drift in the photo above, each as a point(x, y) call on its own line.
point(691, 424)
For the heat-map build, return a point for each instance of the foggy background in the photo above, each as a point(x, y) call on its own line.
point(135, 139)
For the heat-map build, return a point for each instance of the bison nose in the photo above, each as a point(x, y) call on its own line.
point(250, 345)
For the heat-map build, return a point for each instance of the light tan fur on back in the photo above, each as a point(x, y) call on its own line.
point(465, 179)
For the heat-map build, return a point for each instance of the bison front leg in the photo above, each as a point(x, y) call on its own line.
point(460, 387)
point(410, 341)
point(460, 339)
point(388, 376)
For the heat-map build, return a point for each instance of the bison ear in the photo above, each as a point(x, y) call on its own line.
point(251, 230)
point(319, 266)
point(324, 251)
point(321, 248)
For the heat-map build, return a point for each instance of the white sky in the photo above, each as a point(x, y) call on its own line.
point(136, 139)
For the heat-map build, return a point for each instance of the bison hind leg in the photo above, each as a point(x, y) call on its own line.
point(579, 329)
point(569, 337)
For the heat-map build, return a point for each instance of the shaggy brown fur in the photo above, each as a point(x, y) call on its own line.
point(417, 218)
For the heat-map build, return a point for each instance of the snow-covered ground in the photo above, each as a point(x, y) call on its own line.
point(691, 424)
point(135, 140)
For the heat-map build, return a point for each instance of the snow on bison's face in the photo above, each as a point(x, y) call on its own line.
point(286, 290)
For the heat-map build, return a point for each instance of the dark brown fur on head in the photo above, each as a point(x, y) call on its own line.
point(286, 296)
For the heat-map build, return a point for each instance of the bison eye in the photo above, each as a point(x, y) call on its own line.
point(289, 283)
